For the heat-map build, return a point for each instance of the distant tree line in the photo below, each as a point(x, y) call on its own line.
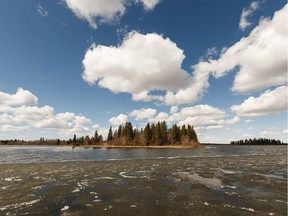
point(155, 134)
point(41, 141)
point(260, 141)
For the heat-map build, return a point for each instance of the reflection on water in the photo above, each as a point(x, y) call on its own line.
point(222, 180)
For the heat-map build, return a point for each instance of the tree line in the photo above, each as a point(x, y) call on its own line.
point(260, 141)
point(155, 134)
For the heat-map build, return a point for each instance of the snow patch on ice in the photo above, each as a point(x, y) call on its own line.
point(76, 190)
point(229, 171)
point(104, 178)
point(19, 205)
point(64, 208)
point(247, 209)
point(122, 174)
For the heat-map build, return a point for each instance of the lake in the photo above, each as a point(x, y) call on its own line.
point(216, 180)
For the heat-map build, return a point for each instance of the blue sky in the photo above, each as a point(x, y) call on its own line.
point(72, 66)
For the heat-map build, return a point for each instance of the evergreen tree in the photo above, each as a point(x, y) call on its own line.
point(175, 133)
point(110, 134)
point(119, 131)
point(191, 133)
point(147, 133)
point(158, 135)
point(194, 135)
point(80, 141)
point(164, 133)
point(153, 132)
point(129, 131)
point(74, 139)
point(183, 130)
point(96, 137)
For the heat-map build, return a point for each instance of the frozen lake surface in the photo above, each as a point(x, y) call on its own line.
point(218, 180)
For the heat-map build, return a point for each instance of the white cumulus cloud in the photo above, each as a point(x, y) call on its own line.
point(143, 113)
point(104, 11)
point(118, 120)
point(261, 57)
point(21, 97)
point(268, 103)
point(20, 112)
point(141, 64)
point(201, 116)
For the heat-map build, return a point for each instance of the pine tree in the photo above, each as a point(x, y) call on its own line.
point(147, 133)
point(119, 131)
point(175, 133)
point(96, 137)
point(164, 133)
point(194, 135)
point(110, 134)
point(183, 130)
point(158, 135)
point(74, 139)
point(191, 133)
point(129, 131)
point(153, 132)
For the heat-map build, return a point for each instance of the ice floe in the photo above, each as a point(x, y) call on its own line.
point(195, 178)
point(64, 208)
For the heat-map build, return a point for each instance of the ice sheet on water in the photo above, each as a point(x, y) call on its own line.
point(19, 205)
point(213, 183)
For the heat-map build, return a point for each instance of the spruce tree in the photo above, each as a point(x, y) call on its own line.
point(129, 131)
point(96, 137)
point(175, 134)
point(110, 134)
point(147, 133)
point(119, 131)
point(164, 133)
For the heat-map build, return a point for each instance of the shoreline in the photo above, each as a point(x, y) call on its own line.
point(121, 147)
point(143, 147)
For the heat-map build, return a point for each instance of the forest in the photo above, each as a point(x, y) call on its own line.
point(155, 134)
point(260, 141)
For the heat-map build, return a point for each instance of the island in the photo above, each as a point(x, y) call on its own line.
point(153, 135)
point(259, 141)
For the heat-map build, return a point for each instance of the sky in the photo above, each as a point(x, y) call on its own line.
point(75, 66)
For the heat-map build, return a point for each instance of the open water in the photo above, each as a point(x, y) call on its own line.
point(216, 180)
